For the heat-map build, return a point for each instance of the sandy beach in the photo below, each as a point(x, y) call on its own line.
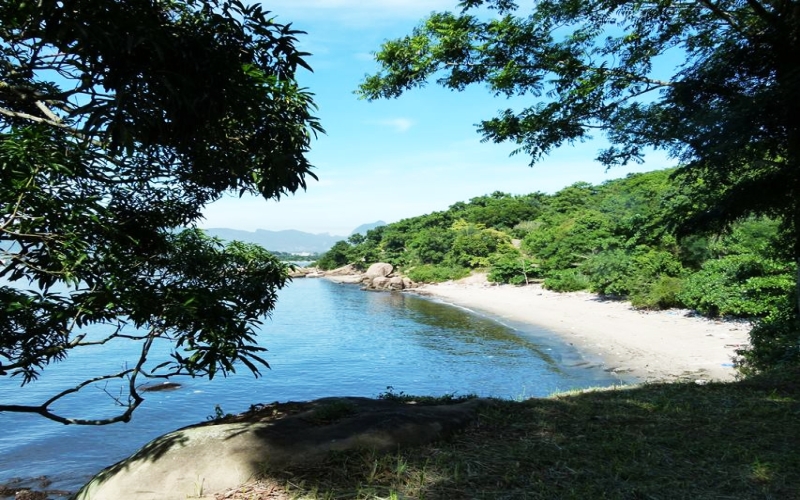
point(647, 345)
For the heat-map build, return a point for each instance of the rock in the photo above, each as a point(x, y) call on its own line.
point(378, 277)
point(306, 272)
point(30, 495)
point(395, 283)
point(379, 269)
point(216, 456)
point(343, 271)
point(354, 279)
point(164, 386)
point(379, 283)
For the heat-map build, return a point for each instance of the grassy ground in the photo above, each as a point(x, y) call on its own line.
point(658, 441)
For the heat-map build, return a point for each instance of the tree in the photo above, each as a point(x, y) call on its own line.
point(119, 122)
point(728, 111)
point(337, 256)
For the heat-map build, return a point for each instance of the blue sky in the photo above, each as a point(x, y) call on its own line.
point(389, 160)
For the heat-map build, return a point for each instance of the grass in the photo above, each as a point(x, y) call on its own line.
point(657, 441)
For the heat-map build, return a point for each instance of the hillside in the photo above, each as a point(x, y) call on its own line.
point(289, 241)
point(633, 238)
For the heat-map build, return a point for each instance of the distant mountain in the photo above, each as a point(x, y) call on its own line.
point(363, 228)
point(289, 241)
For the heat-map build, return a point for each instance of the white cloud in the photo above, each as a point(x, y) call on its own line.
point(398, 124)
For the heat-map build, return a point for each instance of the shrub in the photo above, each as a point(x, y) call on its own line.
point(474, 245)
point(566, 280)
point(664, 293)
point(649, 277)
point(337, 256)
point(513, 268)
point(774, 341)
point(609, 272)
point(428, 273)
point(738, 285)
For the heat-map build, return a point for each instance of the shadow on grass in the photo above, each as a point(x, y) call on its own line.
point(719, 441)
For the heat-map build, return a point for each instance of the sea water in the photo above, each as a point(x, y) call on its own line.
point(324, 339)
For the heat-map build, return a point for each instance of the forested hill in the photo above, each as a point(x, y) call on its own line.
point(620, 238)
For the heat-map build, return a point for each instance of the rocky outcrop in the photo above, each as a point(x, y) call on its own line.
point(306, 272)
point(379, 276)
point(379, 270)
point(216, 456)
point(347, 270)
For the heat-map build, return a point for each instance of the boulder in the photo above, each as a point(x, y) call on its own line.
point(395, 283)
point(353, 279)
point(215, 456)
point(379, 269)
point(379, 283)
point(349, 269)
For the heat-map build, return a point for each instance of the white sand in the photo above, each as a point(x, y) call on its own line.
point(650, 346)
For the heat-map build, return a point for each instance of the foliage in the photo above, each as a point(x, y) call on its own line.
point(431, 246)
point(566, 240)
point(565, 280)
point(119, 122)
point(513, 268)
point(295, 257)
point(339, 255)
point(441, 245)
point(774, 341)
point(663, 293)
point(738, 285)
point(402, 397)
point(499, 210)
point(427, 273)
point(727, 110)
point(626, 272)
point(474, 244)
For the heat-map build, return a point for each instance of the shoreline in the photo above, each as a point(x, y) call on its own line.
point(650, 346)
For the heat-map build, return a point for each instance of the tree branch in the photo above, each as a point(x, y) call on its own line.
point(762, 12)
point(135, 399)
point(725, 16)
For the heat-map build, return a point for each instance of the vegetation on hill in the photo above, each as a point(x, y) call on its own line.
point(621, 238)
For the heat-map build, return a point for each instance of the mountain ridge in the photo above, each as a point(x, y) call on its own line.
point(288, 240)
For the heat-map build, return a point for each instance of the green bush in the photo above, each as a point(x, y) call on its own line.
point(664, 293)
point(428, 273)
point(566, 280)
point(774, 341)
point(512, 268)
point(339, 255)
point(738, 285)
point(609, 272)
point(649, 277)
point(474, 245)
point(565, 241)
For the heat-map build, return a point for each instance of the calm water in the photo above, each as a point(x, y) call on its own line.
point(324, 339)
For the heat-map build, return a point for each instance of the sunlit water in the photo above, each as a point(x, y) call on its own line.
point(324, 339)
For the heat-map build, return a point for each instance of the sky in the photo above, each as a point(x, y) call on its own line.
point(393, 159)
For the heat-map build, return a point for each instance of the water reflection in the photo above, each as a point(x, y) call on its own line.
point(457, 331)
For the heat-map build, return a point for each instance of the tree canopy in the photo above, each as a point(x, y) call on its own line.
point(727, 110)
point(119, 122)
